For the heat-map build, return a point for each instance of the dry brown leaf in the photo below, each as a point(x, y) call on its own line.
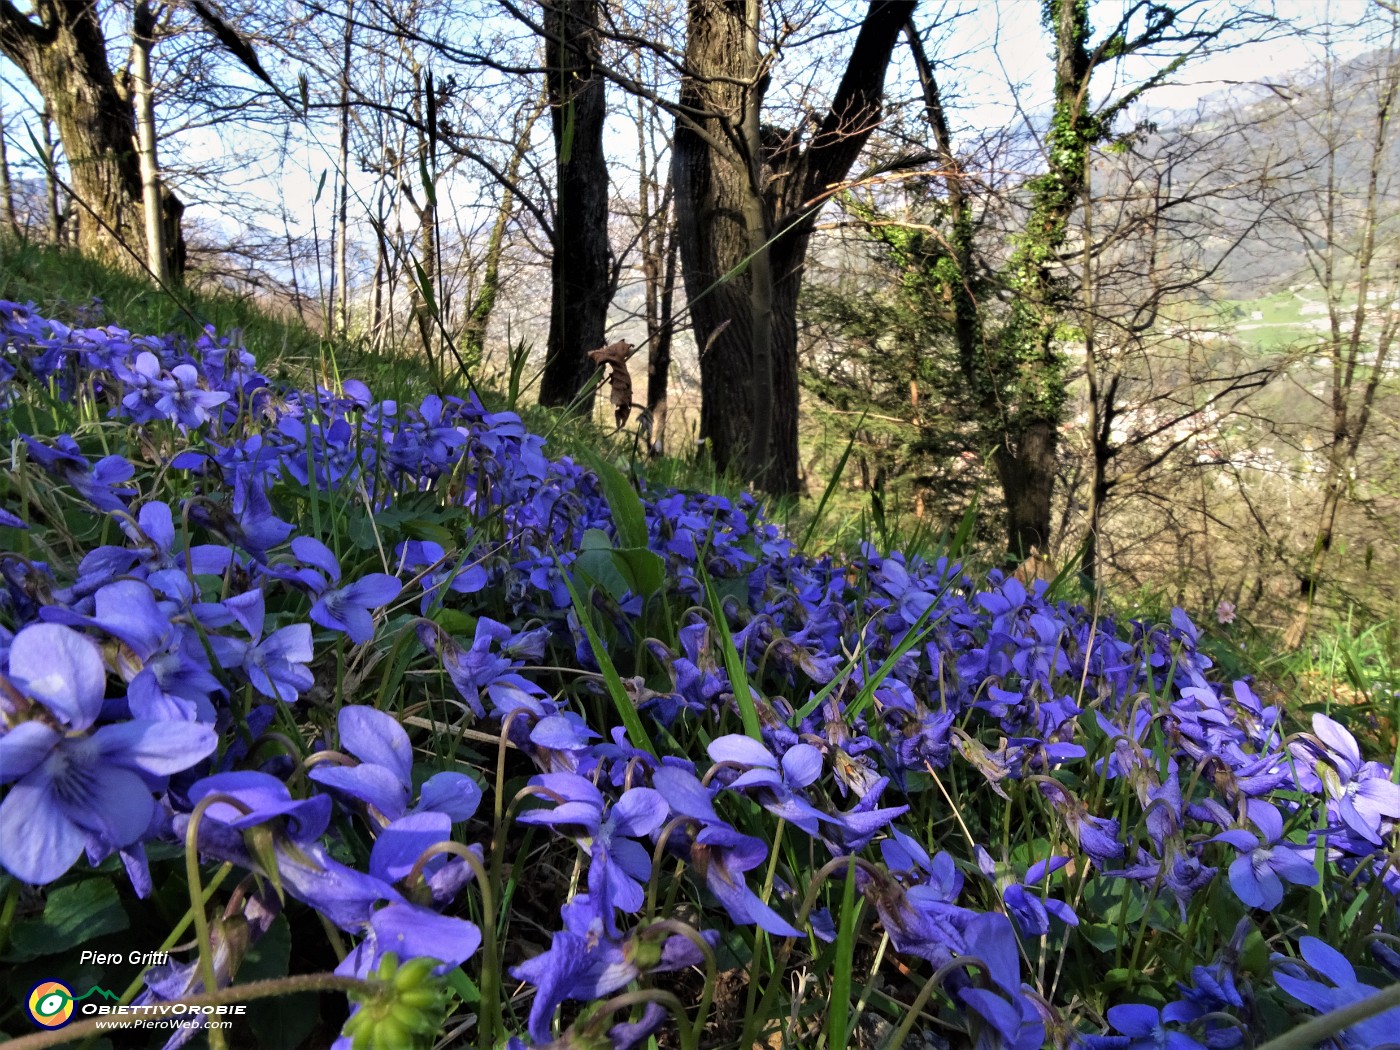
point(615, 356)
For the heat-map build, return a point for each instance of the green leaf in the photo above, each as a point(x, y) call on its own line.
point(599, 568)
point(360, 532)
point(425, 287)
point(596, 540)
point(596, 565)
point(1104, 938)
point(736, 587)
point(965, 527)
point(1119, 977)
point(566, 138)
point(629, 516)
point(1115, 901)
point(840, 1003)
point(429, 187)
point(644, 569)
point(72, 915)
point(423, 529)
point(455, 622)
point(1255, 956)
point(463, 985)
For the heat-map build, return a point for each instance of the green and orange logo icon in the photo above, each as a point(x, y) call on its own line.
point(50, 1004)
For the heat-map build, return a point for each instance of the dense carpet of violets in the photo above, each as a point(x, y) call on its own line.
point(1099, 779)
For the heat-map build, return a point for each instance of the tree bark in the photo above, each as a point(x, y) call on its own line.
point(142, 44)
point(7, 195)
point(580, 268)
point(660, 297)
point(51, 191)
point(731, 203)
point(484, 302)
point(1032, 367)
point(342, 234)
point(64, 55)
point(712, 183)
point(429, 312)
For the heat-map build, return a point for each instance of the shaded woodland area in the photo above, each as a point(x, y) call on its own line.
point(1152, 345)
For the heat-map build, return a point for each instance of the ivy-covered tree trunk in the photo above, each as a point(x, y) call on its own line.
point(580, 270)
point(1031, 367)
point(747, 198)
point(61, 50)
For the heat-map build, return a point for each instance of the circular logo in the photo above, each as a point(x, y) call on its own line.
point(50, 1004)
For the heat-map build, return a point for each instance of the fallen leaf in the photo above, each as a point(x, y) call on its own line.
point(615, 356)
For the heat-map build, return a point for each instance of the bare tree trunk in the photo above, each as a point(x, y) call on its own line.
point(7, 196)
point(484, 303)
point(711, 184)
point(657, 239)
point(660, 333)
point(725, 215)
point(427, 274)
point(142, 43)
point(423, 279)
point(64, 55)
point(342, 242)
point(1351, 401)
point(580, 268)
point(51, 176)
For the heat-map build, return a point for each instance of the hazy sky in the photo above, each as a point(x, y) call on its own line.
point(1003, 44)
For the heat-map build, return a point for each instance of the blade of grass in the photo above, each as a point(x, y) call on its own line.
point(840, 1008)
point(831, 487)
point(911, 638)
point(626, 710)
point(733, 661)
point(818, 697)
point(965, 527)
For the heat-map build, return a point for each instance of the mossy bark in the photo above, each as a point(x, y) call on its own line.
point(62, 52)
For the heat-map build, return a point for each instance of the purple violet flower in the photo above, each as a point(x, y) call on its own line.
point(93, 791)
point(619, 864)
point(1265, 863)
point(384, 777)
point(587, 961)
point(776, 784)
point(1145, 1028)
point(185, 401)
point(1342, 989)
point(348, 608)
point(275, 665)
point(1360, 793)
